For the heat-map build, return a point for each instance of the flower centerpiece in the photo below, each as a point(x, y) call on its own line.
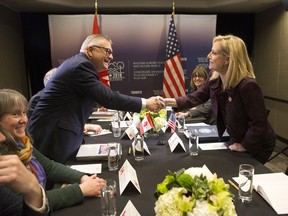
point(193, 192)
point(158, 119)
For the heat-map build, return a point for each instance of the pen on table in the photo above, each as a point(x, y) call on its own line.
point(234, 185)
point(129, 150)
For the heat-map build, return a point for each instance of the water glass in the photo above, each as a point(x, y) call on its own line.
point(116, 128)
point(113, 156)
point(181, 124)
point(108, 198)
point(193, 144)
point(245, 182)
point(139, 148)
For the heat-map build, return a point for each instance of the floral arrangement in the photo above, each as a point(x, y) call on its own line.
point(158, 119)
point(193, 192)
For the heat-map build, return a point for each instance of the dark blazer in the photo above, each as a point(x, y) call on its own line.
point(32, 103)
point(241, 111)
point(12, 203)
point(65, 105)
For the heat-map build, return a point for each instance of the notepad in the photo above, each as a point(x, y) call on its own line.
point(273, 187)
point(95, 151)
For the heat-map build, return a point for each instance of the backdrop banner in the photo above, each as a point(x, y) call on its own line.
point(139, 45)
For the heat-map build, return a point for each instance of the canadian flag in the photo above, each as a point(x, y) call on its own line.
point(146, 124)
point(104, 78)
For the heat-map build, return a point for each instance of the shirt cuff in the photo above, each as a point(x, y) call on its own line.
point(143, 103)
point(45, 205)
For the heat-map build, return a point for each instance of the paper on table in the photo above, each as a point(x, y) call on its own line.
point(88, 168)
point(103, 132)
point(130, 210)
point(273, 187)
point(196, 124)
point(213, 146)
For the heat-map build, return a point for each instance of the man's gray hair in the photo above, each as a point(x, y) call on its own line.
point(94, 40)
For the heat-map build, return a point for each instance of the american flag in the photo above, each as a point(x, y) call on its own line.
point(172, 122)
point(174, 81)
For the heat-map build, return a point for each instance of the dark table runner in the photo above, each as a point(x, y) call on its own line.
point(155, 167)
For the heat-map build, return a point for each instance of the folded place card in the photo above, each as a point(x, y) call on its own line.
point(131, 131)
point(127, 116)
point(174, 141)
point(127, 175)
point(130, 210)
point(144, 146)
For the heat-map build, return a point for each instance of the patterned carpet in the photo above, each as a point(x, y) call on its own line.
point(280, 162)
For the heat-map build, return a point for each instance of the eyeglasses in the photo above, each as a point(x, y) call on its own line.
point(107, 51)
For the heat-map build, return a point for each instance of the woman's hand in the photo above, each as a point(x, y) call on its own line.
point(91, 185)
point(185, 114)
point(15, 175)
point(237, 147)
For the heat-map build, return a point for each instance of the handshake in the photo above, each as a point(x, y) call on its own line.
point(156, 103)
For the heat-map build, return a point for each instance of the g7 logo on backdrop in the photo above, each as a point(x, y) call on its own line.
point(116, 70)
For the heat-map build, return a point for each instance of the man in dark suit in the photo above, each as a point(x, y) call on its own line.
point(68, 99)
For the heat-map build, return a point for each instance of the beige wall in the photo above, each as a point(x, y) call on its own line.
point(270, 59)
point(12, 62)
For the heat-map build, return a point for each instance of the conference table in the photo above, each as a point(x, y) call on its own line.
point(153, 169)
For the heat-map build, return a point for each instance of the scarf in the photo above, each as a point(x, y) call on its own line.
point(27, 158)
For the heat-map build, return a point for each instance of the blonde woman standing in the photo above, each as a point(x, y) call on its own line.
point(236, 98)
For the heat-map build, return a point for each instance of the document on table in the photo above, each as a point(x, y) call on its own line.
point(213, 146)
point(88, 168)
point(273, 187)
point(103, 132)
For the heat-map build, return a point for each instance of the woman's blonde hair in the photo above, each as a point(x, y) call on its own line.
point(199, 71)
point(239, 66)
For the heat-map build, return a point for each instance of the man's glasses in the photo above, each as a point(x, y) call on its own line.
point(107, 51)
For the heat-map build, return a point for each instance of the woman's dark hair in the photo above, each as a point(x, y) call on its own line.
point(8, 146)
point(199, 71)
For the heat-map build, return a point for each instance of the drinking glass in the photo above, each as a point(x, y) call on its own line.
point(139, 148)
point(246, 172)
point(108, 198)
point(181, 124)
point(193, 143)
point(113, 156)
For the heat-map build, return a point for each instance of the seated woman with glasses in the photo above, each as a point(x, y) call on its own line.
point(202, 111)
point(13, 119)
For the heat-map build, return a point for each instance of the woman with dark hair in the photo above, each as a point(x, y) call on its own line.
point(202, 111)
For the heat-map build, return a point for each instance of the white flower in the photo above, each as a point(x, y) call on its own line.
point(191, 191)
point(197, 171)
point(202, 209)
point(166, 205)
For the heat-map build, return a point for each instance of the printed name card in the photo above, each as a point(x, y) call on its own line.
point(131, 131)
point(174, 141)
point(130, 210)
point(127, 116)
point(144, 146)
point(127, 174)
